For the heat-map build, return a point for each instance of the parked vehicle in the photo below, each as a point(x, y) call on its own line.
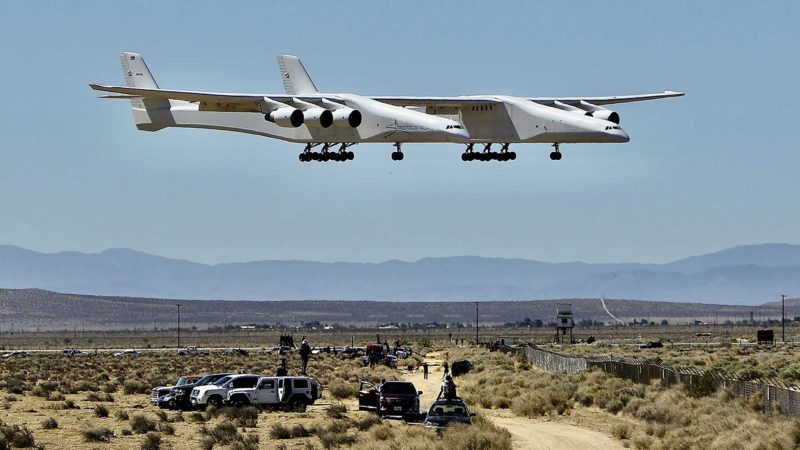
point(214, 394)
point(157, 392)
point(192, 350)
point(236, 352)
point(290, 393)
point(392, 398)
point(15, 353)
point(444, 412)
point(73, 352)
point(461, 367)
point(127, 353)
point(179, 396)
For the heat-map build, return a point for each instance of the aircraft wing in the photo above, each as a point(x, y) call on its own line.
point(611, 100)
point(204, 97)
point(441, 102)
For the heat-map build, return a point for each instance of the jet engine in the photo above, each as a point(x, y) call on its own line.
point(285, 117)
point(605, 114)
point(346, 118)
point(318, 117)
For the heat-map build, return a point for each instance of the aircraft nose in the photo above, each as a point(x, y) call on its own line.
point(622, 135)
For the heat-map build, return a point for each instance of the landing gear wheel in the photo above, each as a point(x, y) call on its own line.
point(512, 155)
point(465, 156)
point(350, 155)
point(555, 155)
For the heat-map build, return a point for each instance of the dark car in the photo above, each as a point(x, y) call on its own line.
point(178, 397)
point(444, 412)
point(461, 367)
point(392, 398)
point(158, 392)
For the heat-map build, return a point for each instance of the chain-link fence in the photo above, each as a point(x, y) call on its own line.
point(778, 396)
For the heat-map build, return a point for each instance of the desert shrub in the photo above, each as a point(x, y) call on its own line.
point(44, 389)
point(340, 389)
point(299, 431)
point(621, 430)
point(11, 398)
point(368, 422)
point(49, 423)
point(336, 411)
point(100, 411)
point(178, 417)
point(334, 440)
point(121, 414)
point(15, 436)
point(97, 435)
point(280, 431)
point(703, 386)
point(197, 416)
point(135, 387)
point(224, 433)
point(248, 442)
point(142, 424)
point(109, 388)
point(207, 443)
point(242, 417)
point(382, 432)
point(482, 435)
point(95, 397)
point(152, 441)
point(166, 428)
point(55, 397)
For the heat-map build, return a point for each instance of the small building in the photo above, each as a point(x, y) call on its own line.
point(507, 340)
point(565, 322)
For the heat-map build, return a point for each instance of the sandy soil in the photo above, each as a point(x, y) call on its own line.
point(526, 433)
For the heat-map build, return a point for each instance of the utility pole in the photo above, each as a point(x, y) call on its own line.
point(179, 325)
point(783, 318)
point(477, 326)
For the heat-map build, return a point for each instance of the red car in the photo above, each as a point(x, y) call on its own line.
point(392, 398)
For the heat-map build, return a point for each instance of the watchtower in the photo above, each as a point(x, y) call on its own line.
point(564, 323)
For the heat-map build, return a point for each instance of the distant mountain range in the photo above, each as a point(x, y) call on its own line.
point(752, 274)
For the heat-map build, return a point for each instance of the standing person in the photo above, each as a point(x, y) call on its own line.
point(305, 352)
point(424, 371)
point(281, 371)
point(446, 369)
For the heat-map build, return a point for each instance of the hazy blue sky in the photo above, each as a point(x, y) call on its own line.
point(716, 168)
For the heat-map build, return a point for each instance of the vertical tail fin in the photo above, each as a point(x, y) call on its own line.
point(136, 72)
point(294, 76)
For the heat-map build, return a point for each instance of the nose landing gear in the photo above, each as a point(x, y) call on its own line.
point(397, 155)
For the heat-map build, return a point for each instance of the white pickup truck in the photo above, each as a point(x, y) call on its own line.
point(291, 393)
point(215, 394)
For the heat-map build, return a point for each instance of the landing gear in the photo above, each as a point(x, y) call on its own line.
point(326, 155)
point(397, 155)
point(555, 155)
point(488, 154)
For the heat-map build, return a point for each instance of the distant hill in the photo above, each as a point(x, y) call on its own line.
point(39, 310)
point(750, 274)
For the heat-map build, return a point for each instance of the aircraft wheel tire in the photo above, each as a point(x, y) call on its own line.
point(464, 157)
point(351, 156)
point(400, 156)
point(553, 156)
point(512, 155)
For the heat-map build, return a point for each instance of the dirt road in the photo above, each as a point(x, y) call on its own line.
point(526, 433)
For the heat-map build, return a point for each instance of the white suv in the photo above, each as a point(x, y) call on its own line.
point(214, 394)
point(291, 393)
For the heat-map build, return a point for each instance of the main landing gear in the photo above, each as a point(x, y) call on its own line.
point(326, 155)
point(488, 154)
point(555, 155)
point(397, 155)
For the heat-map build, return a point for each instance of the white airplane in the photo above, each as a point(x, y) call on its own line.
point(305, 115)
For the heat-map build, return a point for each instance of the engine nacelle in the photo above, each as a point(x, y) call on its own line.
point(605, 114)
point(346, 118)
point(285, 117)
point(318, 117)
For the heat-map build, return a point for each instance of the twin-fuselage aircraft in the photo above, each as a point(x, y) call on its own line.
point(333, 123)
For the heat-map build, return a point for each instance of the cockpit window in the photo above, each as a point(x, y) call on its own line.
point(613, 128)
point(458, 127)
